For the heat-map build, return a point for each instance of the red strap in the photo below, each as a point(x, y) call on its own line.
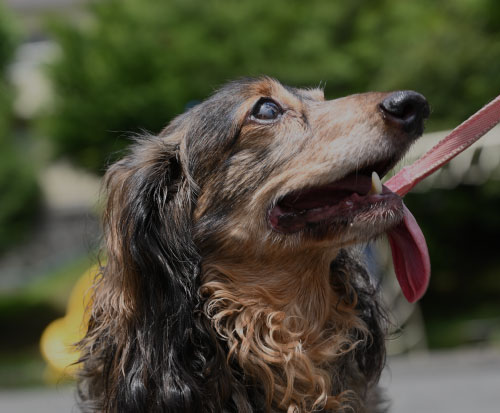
point(458, 140)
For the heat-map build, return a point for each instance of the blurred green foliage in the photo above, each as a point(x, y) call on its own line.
point(25, 313)
point(7, 46)
point(137, 63)
point(462, 228)
point(19, 192)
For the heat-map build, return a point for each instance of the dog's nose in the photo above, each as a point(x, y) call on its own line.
point(406, 109)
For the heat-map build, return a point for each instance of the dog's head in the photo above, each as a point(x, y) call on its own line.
point(260, 170)
point(293, 169)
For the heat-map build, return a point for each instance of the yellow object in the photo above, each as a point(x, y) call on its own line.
point(57, 343)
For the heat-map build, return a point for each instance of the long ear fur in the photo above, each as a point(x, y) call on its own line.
point(148, 345)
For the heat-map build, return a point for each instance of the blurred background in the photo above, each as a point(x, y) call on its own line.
point(78, 77)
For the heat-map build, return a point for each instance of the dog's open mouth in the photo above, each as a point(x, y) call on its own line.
point(357, 197)
point(361, 200)
point(341, 202)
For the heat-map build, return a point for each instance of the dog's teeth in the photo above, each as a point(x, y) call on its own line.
point(376, 184)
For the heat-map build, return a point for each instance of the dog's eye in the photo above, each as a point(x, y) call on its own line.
point(266, 109)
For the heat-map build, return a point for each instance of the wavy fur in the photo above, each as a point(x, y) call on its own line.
point(201, 307)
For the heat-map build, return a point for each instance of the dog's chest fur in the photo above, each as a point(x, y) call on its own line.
point(320, 346)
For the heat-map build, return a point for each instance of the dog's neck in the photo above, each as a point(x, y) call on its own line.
point(296, 282)
point(284, 319)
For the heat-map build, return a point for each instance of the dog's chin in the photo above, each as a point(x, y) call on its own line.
point(347, 211)
point(366, 224)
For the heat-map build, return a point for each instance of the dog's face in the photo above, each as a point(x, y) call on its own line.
point(296, 170)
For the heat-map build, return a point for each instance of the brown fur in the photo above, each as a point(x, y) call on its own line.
point(202, 306)
point(285, 331)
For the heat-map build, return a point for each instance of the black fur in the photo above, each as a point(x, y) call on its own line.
point(149, 346)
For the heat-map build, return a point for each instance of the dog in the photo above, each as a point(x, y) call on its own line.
point(233, 280)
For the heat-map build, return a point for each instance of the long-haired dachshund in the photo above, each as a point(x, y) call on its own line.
point(231, 282)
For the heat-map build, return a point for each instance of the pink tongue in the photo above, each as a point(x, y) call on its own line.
point(410, 256)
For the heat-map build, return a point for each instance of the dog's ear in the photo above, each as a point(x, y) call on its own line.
point(147, 346)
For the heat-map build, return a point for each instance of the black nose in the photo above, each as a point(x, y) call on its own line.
point(407, 109)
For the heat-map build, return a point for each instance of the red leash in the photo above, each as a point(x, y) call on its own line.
point(457, 141)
